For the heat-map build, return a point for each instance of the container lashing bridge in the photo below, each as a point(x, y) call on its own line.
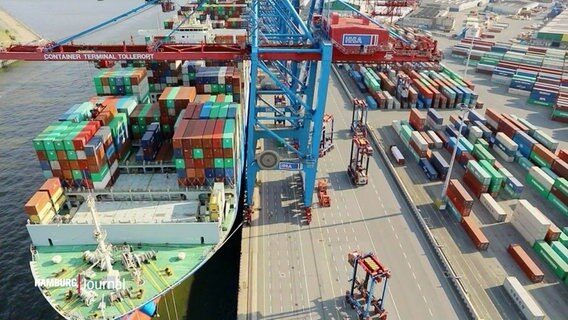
point(296, 55)
point(361, 295)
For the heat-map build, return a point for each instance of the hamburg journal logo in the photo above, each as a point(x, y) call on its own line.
point(80, 283)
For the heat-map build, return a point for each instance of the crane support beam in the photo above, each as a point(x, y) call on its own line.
point(205, 52)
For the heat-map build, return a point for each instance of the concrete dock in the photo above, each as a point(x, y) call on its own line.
point(13, 31)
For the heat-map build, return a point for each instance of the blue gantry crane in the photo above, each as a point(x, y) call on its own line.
point(361, 294)
point(296, 55)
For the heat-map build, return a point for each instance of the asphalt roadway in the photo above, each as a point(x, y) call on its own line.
point(482, 273)
point(301, 271)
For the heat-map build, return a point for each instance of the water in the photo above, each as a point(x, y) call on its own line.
point(33, 94)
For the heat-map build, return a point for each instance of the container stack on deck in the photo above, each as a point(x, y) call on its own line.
point(79, 152)
point(123, 82)
point(206, 138)
point(161, 74)
point(46, 202)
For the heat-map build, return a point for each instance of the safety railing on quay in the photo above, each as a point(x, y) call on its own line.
point(449, 270)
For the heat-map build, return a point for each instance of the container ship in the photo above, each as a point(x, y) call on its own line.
point(143, 182)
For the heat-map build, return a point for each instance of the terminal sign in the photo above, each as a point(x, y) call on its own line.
point(360, 40)
point(291, 166)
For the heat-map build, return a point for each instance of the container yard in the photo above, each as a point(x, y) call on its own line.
point(224, 122)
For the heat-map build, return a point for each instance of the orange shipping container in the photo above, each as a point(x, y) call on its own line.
point(525, 263)
point(37, 202)
point(474, 233)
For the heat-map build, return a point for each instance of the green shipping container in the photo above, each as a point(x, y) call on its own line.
point(563, 208)
point(99, 176)
point(551, 258)
point(483, 143)
point(228, 134)
point(562, 185)
point(71, 155)
point(481, 153)
point(52, 155)
point(180, 164)
point(538, 160)
point(197, 153)
point(539, 188)
point(77, 175)
point(525, 163)
point(563, 239)
point(479, 172)
point(497, 179)
point(560, 249)
point(215, 108)
point(218, 163)
point(229, 163)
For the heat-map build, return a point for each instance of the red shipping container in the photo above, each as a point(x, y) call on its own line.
point(417, 119)
point(443, 137)
point(553, 233)
point(465, 157)
point(525, 262)
point(475, 186)
point(563, 197)
point(516, 123)
point(545, 154)
point(218, 133)
point(563, 154)
point(420, 153)
point(560, 167)
point(460, 197)
point(61, 155)
point(497, 165)
point(493, 114)
point(207, 137)
point(41, 155)
point(508, 128)
point(427, 139)
point(474, 233)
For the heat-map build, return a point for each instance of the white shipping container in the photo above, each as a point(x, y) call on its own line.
point(493, 207)
point(101, 185)
point(547, 141)
point(396, 104)
point(529, 234)
point(475, 131)
point(502, 154)
point(492, 123)
point(526, 212)
point(522, 298)
point(437, 141)
point(419, 140)
point(506, 172)
point(545, 180)
point(388, 97)
point(396, 126)
point(508, 142)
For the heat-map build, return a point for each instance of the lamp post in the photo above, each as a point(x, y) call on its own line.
point(441, 202)
point(469, 52)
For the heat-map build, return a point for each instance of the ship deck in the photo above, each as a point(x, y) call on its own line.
point(139, 212)
point(156, 280)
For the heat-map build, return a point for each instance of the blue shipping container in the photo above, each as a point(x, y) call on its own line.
point(428, 169)
point(525, 142)
point(440, 164)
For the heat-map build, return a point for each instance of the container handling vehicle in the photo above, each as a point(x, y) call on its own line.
point(359, 118)
point(361, 153)
point(361, 294)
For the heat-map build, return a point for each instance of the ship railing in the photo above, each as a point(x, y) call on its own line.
point(34, 252)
